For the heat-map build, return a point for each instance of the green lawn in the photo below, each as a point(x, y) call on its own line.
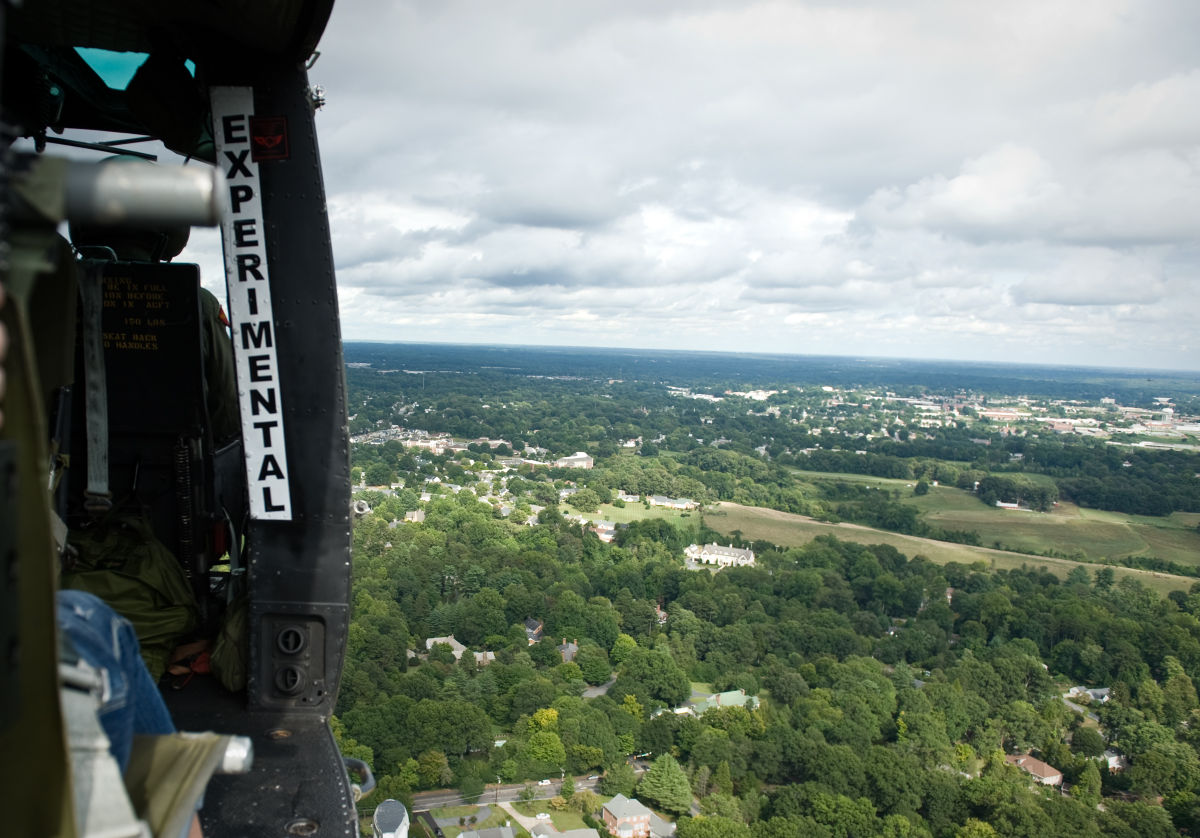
point(498, 817)
point(636, 512)
point(454, 812)
point(787, 530)
point(562, 820)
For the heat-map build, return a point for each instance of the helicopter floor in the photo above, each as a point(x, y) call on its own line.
point(297, 785)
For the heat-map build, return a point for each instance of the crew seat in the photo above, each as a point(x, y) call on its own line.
point(170, 422)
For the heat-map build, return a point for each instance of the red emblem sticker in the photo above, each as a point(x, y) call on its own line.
point(268, 138)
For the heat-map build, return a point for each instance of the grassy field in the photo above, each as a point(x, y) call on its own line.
point(1068, 529)
point(1084, 534)
point(787, 530)
point(637, 512)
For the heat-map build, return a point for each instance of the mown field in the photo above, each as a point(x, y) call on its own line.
point(1067, 530)
point(1084, 534)
point(787, 530)
point(636, 512)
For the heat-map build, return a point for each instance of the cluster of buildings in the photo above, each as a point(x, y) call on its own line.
point(623, 817)
point(1045, 774)
point(423, 440)
point(445, 444)
point(533, 634)
point(838, 410)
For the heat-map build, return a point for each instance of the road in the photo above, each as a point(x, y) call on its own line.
point(508, 793)
point(505, 793)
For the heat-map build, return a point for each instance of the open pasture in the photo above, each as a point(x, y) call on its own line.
point(1068, 530)
point(788, 530)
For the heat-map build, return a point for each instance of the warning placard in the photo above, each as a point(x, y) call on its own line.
point(248, 279)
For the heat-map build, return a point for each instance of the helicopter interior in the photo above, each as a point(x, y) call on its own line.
point(125, 396)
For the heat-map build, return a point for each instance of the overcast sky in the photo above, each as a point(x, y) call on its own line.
point(965, 180)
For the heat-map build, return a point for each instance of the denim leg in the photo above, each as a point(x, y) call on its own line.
point(132, 703)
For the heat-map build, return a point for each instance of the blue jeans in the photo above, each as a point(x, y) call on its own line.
point(104, 639)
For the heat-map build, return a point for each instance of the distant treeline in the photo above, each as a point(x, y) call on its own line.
point(721, 370)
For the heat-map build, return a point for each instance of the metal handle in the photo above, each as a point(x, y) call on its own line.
point(359, 767)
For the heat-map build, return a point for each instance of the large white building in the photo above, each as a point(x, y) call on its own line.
point(720, 555)
point(579, 459)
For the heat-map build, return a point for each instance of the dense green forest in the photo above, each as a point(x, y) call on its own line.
point(891, 687)
point(886, 707)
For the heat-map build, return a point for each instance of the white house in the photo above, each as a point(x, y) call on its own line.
point(1098, 695)
point(672, 503)
point(606, 531)
point(720, 555)
point(457, 649)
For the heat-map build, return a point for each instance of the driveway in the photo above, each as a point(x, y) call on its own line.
point(527, 823)
point(595, 692)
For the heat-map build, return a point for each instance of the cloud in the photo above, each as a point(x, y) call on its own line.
point(1096, 277)
point(1009, 191)
point(927, 178)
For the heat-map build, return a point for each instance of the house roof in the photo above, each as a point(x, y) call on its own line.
point(731, 698)
point(1032, 765)
point(449, 641)
point(660, 828)
point(625, 807)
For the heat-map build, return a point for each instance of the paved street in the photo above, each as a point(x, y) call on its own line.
point(425, 800)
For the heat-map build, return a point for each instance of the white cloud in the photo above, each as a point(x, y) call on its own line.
point(1019, 181)
point(1008, 191)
